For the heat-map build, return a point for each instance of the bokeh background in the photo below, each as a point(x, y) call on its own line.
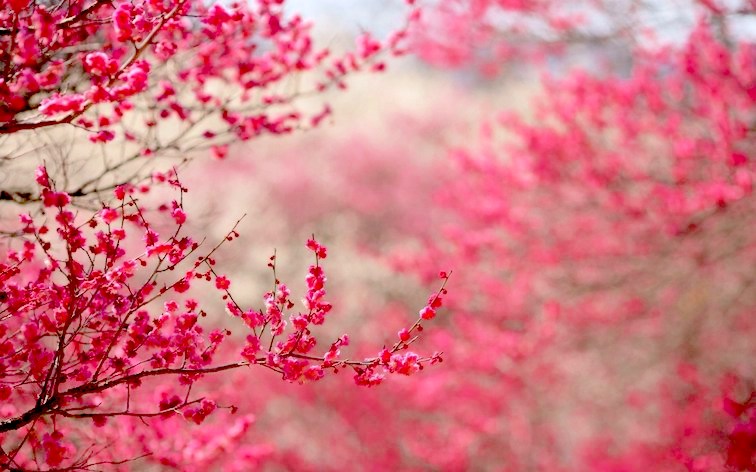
point(582, 334)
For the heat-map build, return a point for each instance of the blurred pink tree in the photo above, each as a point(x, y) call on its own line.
point(603, 251)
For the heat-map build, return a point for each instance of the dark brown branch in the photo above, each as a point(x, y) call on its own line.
point(49, 407)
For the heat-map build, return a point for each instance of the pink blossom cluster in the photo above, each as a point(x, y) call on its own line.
point(81, 334)
point(100, 324)
point(227, 60)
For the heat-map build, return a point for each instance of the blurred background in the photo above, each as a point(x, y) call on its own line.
point(579, 178)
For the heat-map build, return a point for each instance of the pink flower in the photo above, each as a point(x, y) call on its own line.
point(98, 64)
point(222, 283)
point(122, 22)
point(58, 103)
point(314, 372)
point(41, 177)
point(102, 136)
point(427, 313)
point(55, 199)
point(108, 215)
point(314, 246)
point(178, 215)
point(181, 286)
point(120, 192)
point(252, 348)
point(406, 364)
point(55, 451)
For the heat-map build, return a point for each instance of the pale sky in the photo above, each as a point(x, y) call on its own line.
point(351, 15)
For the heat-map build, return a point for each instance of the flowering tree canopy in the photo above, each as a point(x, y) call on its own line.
point(165, 78)
point(96, 283)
